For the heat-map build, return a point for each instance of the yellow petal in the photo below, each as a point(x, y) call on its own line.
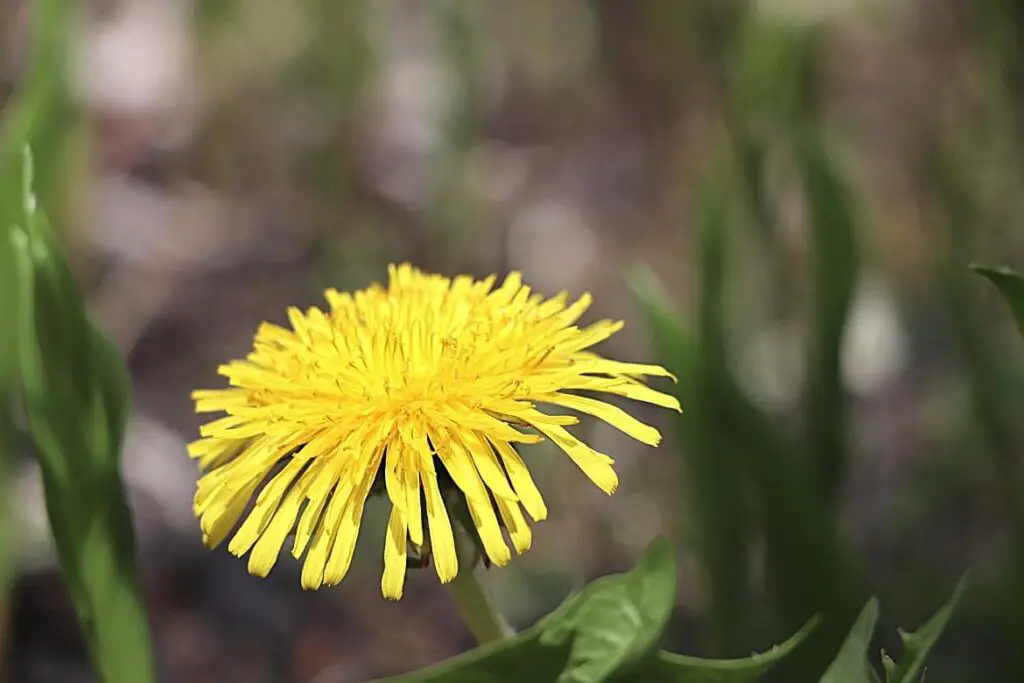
point(486, 523)
point(442, 541)
point(393, 579)
point(264, 554)
point(266, 504)
point(219, 400)
point(573, 313)
point(518, 529)
point(394, 480)
point(589, 336)
point(487, 464)
point(595, 465)
point(624, 387)
point(348, 531)
point(317, 496)
point(522, 482)
point(597, 365)
point(613, 415)
point(414, 515)
point(323, 537)
point(457, 461)
point(217, 525)
point(213, 452)
point(231, 427)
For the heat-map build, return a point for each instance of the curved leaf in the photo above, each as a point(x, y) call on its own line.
point(672, 668)
point(617, 620)
point(1010, 284)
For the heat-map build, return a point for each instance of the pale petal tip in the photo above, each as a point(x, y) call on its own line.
point(311, 579)
point(445, 573)
point(502, 560)
point(260, 564)
point(392, 586)
point(522, 544)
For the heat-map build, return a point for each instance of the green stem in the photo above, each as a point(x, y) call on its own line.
point(476, 607)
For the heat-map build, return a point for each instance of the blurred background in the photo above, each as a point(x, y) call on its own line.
point(780, 197)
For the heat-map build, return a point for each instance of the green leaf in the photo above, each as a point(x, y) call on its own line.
point(917, 645)
point(717, 509)
point(834, 265)
point(1010, 284)
point(773, 76)
point(615, 621)
point(608, 627)
point(668, 667)
point(8, 400)
point(75, 393)
point(851, 664)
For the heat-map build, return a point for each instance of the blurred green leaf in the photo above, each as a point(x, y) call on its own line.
point(667, 667)
point(8, 400)
point(806, 564)
point(917, 645)
point(851, 664)
point(773, 75)
point(40, 114)
point(833, 264)
point(1011, 285)
point(75, 393)
point(718, 509)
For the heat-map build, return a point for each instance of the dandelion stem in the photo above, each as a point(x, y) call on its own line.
point(476, 607)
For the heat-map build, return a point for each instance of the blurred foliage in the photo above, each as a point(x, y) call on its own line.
point(1011, 285)
point(853, 665)
point(790, 486)
point(69, 378)
point(607, 632)
point(76, 393)
point(40, 116)
point(880, 142)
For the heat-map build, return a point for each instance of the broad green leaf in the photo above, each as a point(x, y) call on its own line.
point(75, 393)
point(607, 627)
point(833, 265)
point(1011, 285)
point(851, 664)
point(617, 620)
point(520, 658)
point(667, 667)
point(917, 645)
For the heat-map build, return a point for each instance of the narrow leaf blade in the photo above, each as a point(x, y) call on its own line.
point(851, 664)
point(918, 644)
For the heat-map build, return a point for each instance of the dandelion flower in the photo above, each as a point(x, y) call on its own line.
point(421, 389)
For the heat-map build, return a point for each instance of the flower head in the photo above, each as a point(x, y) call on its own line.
point(427, 384)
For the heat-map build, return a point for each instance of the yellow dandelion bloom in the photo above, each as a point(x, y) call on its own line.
point(426, 383)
